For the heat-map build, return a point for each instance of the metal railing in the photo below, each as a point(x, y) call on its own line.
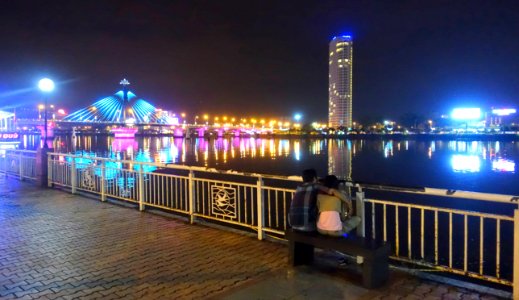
point(464, 235)
point(18, 163)
point(462, 241)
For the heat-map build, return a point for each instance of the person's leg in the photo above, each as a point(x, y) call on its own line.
point(350, 224)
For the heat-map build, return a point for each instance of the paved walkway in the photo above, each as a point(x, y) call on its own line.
point(55, 245)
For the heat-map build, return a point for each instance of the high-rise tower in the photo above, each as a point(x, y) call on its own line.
point(340, 82)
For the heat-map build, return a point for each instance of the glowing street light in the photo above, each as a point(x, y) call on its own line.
point(46, 85)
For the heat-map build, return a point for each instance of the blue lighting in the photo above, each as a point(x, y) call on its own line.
point(115, 109)
point(344, 36)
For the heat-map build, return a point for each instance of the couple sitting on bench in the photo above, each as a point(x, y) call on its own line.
point(319, 206)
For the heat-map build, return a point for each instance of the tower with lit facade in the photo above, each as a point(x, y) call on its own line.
point(340, 78)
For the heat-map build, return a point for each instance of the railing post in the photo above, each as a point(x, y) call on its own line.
point(191, 191)
point(103, 180)
point(49, 171)
point(516, 255)
point(73, 175)
point(141, 188)
point(360, 212)
point(20, 165)
point(259, 197)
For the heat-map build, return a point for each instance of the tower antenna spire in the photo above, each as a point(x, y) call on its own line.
point(125, 83)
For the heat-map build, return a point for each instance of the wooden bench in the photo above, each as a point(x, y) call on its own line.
point(375, 268)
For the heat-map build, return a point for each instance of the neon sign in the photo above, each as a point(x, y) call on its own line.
point(9, 137)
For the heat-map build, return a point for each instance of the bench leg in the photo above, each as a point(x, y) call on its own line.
point(300, 254)
point(375, 272)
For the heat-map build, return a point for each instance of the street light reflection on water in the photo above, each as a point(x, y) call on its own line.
point(486, 166)
point(465, 156)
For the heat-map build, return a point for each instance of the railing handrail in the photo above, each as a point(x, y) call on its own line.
point(449, 193)
point(184, 167)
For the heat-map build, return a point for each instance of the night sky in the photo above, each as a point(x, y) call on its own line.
point(262, 58)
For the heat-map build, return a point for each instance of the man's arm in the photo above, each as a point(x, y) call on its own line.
point(344, 198)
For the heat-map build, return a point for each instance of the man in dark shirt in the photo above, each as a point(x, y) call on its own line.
point(302, 214)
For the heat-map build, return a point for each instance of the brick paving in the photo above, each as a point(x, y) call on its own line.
point(55, 245)
point(58, 245)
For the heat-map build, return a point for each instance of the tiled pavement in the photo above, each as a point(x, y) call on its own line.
point(54, 245)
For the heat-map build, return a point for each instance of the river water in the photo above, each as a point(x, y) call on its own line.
point(482, 166)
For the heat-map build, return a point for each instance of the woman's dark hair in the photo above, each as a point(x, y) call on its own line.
point(331, 181)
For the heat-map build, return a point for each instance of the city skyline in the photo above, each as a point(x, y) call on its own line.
point(266, 56)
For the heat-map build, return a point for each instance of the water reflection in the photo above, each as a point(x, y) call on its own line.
point(465, 163)
point(339, 158)
point(469, 156)
point(292, 155)
point(503, 165)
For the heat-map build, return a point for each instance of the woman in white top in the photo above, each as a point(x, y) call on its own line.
point(330, 210)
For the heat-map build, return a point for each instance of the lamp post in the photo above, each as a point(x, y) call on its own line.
point(46, 85)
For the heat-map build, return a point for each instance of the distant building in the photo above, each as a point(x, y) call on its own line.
point(340, 82)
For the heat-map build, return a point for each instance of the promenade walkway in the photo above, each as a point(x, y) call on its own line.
point(54, 245)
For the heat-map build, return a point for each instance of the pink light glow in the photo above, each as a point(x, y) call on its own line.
point(124, 132)
point(179, 132)
point(124, 144)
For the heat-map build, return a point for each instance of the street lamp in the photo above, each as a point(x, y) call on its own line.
point(46, 85)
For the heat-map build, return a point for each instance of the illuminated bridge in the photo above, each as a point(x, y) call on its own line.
point(129, 114)
point(122, 107)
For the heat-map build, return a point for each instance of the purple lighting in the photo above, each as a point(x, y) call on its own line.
point(124, 132)
point(201, 132)
point(179, 132)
